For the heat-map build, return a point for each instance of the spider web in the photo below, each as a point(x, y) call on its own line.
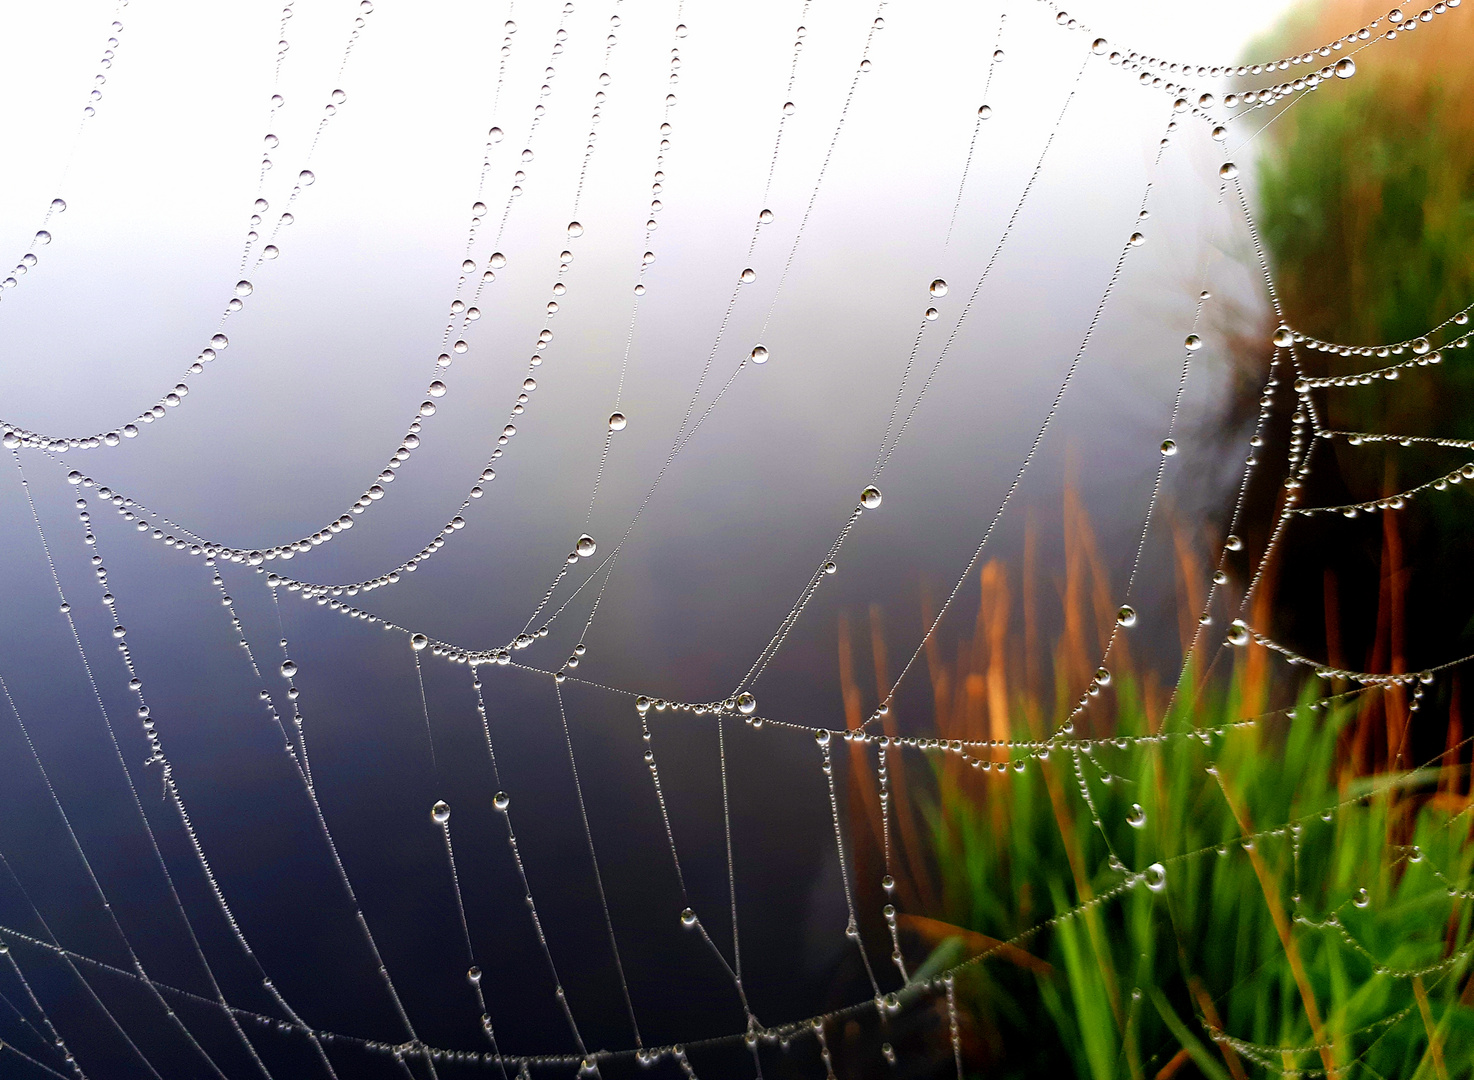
point(510, 949)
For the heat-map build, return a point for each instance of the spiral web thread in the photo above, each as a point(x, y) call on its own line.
point(49, 1052)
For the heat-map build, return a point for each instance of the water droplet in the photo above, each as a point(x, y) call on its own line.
point(1136, 816)
point(418, 642)
point(1362, 898)
point(1238, 633)
point(575, 229)
point(288, 669)
point(43, 237)
point(1102, 676)
point(788, 108)
point(58, 206)
point(501, 800)
point(688, 917)
point(931, 314)
point(497, 260)
point(997, 55)
point(1099, 46)
point(759, 354)
point(473, 976)
point(939, 287)
point(1137, 239)
point(1284, 337)
point(1228, 170)
point(306, 178)
point(270, 251)
point(1233, 543)
point(585, 546)
point(440, 812)
point(1421, 346)
point(1155, 877)
point(339, 97)
point(1126, 616)
point(748, 276)
point(746, 703)
point(765, 216)
point(617, 421)
point(870, 497)
point(1169, 447)
point(1192, 343)
point(1345, 68)
point(243, 288)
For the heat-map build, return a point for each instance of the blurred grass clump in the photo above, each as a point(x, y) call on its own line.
point(1313, 918)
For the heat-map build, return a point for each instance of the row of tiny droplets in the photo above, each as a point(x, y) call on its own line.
point(119, 632)
point(15, 435)
point(58, 205)
point(410, 442)
point(157, 757)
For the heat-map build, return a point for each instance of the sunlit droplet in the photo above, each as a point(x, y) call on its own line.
point(585, 546)
point(746, 703)
point(1192, 343)
point(870, 497)
point(939, 287)
point(1126, 616)
point(759, 354)
point(440, 812)
point(418, 642)
point(1136, 816)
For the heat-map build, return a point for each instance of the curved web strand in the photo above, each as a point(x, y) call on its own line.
point(176, 799)
point(42, 237)
point(16, 435)
point(138, 806)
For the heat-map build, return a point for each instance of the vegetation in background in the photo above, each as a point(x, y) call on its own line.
point(1315, 917)
point(1365, 201)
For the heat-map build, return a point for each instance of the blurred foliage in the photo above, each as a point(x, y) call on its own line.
point(1366, 203)
point(1316, 917)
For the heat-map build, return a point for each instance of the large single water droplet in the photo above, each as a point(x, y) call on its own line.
point(1192, 343)
point(870, 497)
point(575, 229)
point(748, 276)
point(58, 206)
point(243, 288)
point(939, 287)
point(1362, 898)
point(617, 421)
point(759, 354)
point(1169, 447)
point(1238, 633)
point(1228, 170)
point(1345, 68)
point(1126, 616)
point(43, 237)
point(1155, 877)
point(306, 178)
point(288, 669)
point(1136, 816)
point(418, 642)
point(746, 703)
point(440, 812)
point(585, 546)
point(1284, 337)
point(437, 389)
point(688, 917)
point(501, 800)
